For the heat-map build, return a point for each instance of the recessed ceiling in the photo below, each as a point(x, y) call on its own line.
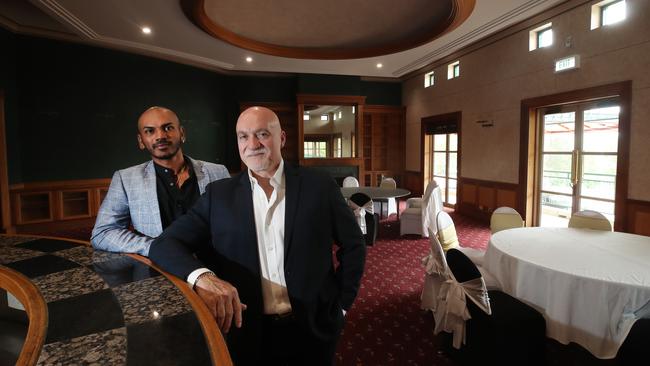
point(336, 29)
point(117, 24)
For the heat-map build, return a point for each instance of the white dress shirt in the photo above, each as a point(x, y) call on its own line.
point(269, 227)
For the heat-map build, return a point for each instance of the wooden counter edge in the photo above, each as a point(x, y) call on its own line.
point(26, 292)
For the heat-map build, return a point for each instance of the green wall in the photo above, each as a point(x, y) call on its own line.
point(72, 109)
point(8, 84)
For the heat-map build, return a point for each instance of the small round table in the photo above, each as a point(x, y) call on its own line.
point(376, 193)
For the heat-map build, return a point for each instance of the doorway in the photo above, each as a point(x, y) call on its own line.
point(574, 155)
point(441, 154)
point(577, 160)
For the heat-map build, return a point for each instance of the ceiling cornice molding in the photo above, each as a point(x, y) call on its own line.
point(67, 17)
point(468, 38)
point(480, 43)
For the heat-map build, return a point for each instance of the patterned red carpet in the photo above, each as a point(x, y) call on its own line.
point(386, 325)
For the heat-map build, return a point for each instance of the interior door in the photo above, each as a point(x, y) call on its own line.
point(577, 160)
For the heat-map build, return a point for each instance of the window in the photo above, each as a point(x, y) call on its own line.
point(442, 150)
point(324, 117)
point(338, 146)
point(429, 79)
point(541, 37)
point(315, 149)
point(305, 117)
point(453, 70)
point(607, 12)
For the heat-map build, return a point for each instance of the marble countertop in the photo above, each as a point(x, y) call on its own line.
point(106, 308)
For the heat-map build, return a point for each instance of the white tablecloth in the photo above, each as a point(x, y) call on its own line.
point(591, 286)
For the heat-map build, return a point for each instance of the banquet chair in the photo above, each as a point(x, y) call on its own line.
point(505, 218)
point(498, 328)
point(436, 273)
point(362, 207)
point(350, 181)
point(449, 238)
point(588, 219)
point(420, 212)
point(392, 203)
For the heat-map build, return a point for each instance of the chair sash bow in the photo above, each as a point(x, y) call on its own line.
point(452, 312)
point(360, 213)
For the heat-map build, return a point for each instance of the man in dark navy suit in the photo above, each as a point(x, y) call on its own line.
point(272, 228)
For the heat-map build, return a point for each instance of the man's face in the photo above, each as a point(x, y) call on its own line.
point(260, 139)
point(160, 133)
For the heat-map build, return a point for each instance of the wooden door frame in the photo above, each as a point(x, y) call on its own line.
point(5, 207)
point(528, 140)
point(438, 119)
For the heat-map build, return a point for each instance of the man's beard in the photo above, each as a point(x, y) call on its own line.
point(167, 156)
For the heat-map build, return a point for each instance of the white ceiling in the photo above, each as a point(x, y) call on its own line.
point(116, 24)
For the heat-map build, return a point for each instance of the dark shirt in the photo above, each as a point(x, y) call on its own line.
point(174, 202)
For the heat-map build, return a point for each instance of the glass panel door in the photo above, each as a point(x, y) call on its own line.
point(443, 159)
point(557, 157)
point(578, 156)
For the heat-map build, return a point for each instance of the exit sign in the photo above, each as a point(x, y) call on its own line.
point(567, 63)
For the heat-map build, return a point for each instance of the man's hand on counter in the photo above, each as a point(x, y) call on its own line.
point(222, 300)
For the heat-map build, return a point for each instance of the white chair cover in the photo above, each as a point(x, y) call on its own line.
point(417, 218)
point(588, 219)
point(448, 238)
point(452, 312)
point(504, 218)
point(392, 203)
point(350, 182)
point(360, 213)
point(431, 209)
point(437, 272)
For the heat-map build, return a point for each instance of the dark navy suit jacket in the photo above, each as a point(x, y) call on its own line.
point(316, 217)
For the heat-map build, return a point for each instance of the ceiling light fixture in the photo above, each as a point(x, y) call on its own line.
point(249, 59)
point(379, 66)
point(146, 30)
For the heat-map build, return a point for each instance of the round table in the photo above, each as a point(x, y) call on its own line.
point(590, 285)
point(377, 193)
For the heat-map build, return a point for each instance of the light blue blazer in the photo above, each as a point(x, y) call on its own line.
point(132, 200)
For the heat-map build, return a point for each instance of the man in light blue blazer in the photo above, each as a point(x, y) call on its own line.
point(144, 199)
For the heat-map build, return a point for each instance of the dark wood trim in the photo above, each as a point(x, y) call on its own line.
point(5, 202)
point(440, 118)
point(634, 208)
point(323, 99)
point(61, 185)
point(332, 162)
point(527, 141)
point(35, 307)
point(459, 12)
point(487, 41)
point(380, 108)
point(414, 182)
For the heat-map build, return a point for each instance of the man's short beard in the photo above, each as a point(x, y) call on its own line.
point(165, 157)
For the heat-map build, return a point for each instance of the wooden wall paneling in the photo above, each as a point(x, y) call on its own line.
point(480, 198)
point(470, 193)
point(506, 198)
point(48, 205)
point(5, 199)
point(638, 217)
point(413, 182)
point(486, 198)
